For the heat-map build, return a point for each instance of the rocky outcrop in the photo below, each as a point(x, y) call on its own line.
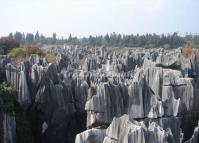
point(109, 102)
point(90, 136)
point(4, 60)
point(195, 136)
point(1, 120)
point(135, 96)
point(126, 130)
point(9, 129)
point(160, 90)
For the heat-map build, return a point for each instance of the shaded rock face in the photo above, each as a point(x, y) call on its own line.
point(4, 60)
point(108, 103)
point(141, 96)
point(7, 126)
point(1, 120)
point(195, 136)
point(9, 129)
point(55, 102)
point(59, 106)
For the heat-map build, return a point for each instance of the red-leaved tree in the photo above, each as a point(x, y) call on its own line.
point(6, 44)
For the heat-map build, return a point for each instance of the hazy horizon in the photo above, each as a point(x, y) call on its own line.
point(98, 17)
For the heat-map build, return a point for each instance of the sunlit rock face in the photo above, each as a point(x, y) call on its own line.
point(94, 95)
point(163, 89)
point(125, 129)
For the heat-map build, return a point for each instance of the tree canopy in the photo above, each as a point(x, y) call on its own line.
point(6, 44)
point(115, 40)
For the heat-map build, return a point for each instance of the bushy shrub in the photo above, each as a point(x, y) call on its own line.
point(32, 49)
point(7, 94)
point(51, 58)
point(187, 52)
point(22, 54)
point(18, 52)
point(6, 44)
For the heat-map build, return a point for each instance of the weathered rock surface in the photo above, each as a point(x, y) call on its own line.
point(91, 136)
point(195, 137)
point(9, 129)
point(156, 89)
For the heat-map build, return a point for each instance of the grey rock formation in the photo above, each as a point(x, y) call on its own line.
point(195, 136)
point(91, 136)
point(1, 120)
point(157, 89)
point(109, 102)
point(9, 129)
point(127, 130)
point(4, 60)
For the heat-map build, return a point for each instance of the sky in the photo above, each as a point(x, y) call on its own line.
point(98, 17)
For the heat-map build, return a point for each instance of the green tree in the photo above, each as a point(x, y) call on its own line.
point(29, 38)
point(19, 37)
point(54, 39)
point(37, 37)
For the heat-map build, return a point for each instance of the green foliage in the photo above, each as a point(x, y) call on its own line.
point(17, 52)
point(3, 48)
point(19, 37)
point(150, 46)
point(6, 92)
point(29, 38)
point(118, 40)
point(26, 51)
point(22, 53)
point(166, 46)
point(12, 107)
point(32, 49)
point(113, 40)
point(196, 46)
point(51, 58)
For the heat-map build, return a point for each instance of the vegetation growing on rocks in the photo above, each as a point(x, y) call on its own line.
point(20, 54)
point(6, 93)
point(13, 108)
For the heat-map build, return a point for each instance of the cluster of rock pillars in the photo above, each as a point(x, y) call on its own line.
point(92, 95)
